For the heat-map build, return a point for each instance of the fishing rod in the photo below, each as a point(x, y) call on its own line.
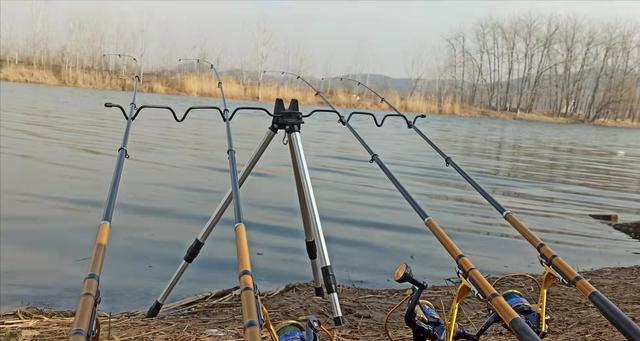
point(473, 279)
point(555, 267)
point(249, 302)
point(425, 323)
point(85, 324)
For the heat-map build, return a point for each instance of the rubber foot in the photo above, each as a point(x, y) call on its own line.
point(338, 321)
point(319, 292)
point(155, 309)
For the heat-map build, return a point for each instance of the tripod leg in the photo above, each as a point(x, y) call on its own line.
point(310, 241)
point(198, 243)
point(312, 209)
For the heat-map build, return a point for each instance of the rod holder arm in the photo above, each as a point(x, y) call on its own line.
point(341, 118)
point(164, 107)
point(384, 118)
point(413, 123)
point(240, 109)
point(118, 106)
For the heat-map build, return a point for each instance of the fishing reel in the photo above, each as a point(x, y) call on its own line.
point(520, 305)
point(295, 331)
point(421, 316)
point(291, 330)
point(425, 323)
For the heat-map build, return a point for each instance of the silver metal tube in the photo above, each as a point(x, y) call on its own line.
point(316, 225)
point(310, 244)
point(195, 247)
point(174, 280)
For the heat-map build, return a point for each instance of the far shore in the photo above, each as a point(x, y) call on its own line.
point(201, 86)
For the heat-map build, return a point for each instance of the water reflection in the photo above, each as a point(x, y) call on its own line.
point(56, 163)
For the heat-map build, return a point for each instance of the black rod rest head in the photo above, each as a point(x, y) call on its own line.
point(289, 119)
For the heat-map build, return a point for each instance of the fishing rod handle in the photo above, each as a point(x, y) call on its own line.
point(247, 286)
point(616, 317)
point(608, 309)
point(90, 296)
point(563, 270)
point(517, 325)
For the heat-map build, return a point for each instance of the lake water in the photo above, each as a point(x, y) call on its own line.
point(58, 150)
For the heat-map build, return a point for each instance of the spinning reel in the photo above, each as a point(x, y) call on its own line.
point(425, 323)
point(292, 330)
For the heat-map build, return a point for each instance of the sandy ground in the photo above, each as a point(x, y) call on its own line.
point(218, 317)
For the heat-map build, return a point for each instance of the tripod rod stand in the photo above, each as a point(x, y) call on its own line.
point(289, 120)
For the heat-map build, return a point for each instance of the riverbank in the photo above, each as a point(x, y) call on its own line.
point(217, 316)
point(199, 85)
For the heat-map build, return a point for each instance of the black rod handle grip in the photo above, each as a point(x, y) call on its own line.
point(618, 319)
point(522, 330)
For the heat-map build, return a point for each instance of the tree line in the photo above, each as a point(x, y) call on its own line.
point(564, 65)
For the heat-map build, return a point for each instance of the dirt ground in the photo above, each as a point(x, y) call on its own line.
point(217, 316)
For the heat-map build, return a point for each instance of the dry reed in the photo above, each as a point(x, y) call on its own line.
point(202, 85)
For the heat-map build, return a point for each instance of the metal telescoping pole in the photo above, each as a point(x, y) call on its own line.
point(608, 309)
point(517, 325)
point(618, 319)
point(307, 200)
point(83, 322)
point(310, 240)
point(198, 243)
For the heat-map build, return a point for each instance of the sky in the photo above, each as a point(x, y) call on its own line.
point(329, 37)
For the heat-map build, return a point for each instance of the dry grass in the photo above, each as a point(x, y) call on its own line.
point(200, 85)
point(217, 316)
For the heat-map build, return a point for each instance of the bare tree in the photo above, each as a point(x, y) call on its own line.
point(416, 69)
point(262, 44)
